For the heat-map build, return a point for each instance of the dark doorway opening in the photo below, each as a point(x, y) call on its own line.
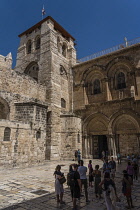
point(99, 145)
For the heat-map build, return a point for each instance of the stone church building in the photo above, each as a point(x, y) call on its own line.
point(52, 104)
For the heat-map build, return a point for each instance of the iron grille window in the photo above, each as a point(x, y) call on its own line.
point(7, 133)
point(96, 86)
point(121, 81)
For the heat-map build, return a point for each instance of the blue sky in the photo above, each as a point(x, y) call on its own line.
point(95, 24)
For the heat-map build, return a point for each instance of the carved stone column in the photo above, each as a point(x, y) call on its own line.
point(91, 149)
point(90, 146)
point(138, 140)
point(108, 93)
point(86, 146)
point(111, 145)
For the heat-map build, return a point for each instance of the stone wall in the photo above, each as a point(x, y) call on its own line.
point(25, 108)
point(71, 136)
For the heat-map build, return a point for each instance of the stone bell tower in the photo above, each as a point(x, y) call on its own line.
point(46, 54)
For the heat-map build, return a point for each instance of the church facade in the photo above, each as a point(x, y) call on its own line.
point(51, 104)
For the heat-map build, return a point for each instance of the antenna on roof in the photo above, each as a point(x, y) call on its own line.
point(43, 12)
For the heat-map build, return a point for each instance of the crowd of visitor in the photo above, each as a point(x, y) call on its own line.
point(78, 180)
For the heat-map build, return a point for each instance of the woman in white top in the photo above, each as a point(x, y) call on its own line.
point(59, 187)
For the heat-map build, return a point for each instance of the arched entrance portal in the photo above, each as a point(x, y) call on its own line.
point(126, 133)
point(96, 138)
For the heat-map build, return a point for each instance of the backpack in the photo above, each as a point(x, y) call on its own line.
point(70, 179)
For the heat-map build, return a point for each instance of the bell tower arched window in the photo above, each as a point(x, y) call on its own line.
point(121, 81)
point(96, 86)
point(37, 43)
point(29, 47)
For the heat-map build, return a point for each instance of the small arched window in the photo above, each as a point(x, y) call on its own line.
point(38, 134)
point(121, 81)
point(37, 43)
point(78, 137)
point(7, 133)
point(64, 49)
point(29, 47)
point(63, 103)
point(96, 87)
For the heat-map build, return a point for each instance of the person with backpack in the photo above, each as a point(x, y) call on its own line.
point(73, 180)
point(112, 164)
point(108, 185)
point(126, 188)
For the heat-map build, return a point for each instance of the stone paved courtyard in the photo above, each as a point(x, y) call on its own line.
point(33, 188)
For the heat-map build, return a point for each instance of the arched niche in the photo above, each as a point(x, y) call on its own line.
point(126, 131)
point(125, 124)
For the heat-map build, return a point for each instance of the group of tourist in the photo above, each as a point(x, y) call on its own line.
point(77, 178)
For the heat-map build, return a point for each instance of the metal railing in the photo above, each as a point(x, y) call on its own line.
point(110, 50)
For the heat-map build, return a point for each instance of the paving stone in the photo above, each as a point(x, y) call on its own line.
point(19, 190)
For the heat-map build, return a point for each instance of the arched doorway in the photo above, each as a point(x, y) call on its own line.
point(99, 144)
point(95, 141)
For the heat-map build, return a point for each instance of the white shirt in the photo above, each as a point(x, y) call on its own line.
point(82, 171)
